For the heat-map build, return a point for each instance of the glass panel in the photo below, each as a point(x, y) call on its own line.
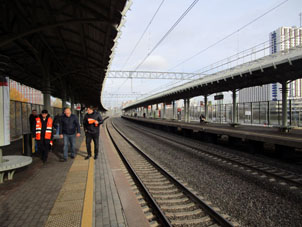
point(274, 113)
point(263, 113)
point(247, 113)
point(256, 111)
point(229, 112)
point(241, 113)
point(296, 113)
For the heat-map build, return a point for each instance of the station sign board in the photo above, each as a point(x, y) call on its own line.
point(218, 97)
point(4, 111)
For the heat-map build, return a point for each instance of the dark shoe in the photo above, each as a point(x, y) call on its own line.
point(95, 157)
point(72, 156)
point(87, 157)
point(63, 160)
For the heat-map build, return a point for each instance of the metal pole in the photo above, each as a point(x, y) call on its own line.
point(64, 98)
point(188, 108)
point(284, 104)
point(206, 106)
point(1, 159)
point(259, 112)
point(237, 106)
point(173, 115)
point(268, 113)
point(244, 112)
point(46, 95)
point(234, 107)
point(185, 110)
point(251, 113)
point(290, 112)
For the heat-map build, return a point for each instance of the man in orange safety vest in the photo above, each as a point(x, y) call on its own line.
point(43, 134)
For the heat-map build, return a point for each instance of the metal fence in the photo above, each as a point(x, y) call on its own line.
point(19, 117)
point(253, 113)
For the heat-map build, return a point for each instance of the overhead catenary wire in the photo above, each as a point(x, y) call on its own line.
point(219, 41)
point(167, 33)
point(144, 32)
point(141, 37)
point(228, 36)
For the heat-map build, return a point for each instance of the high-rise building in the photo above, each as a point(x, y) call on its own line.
point(281, 39)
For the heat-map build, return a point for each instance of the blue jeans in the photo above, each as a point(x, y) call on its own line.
point(58, 129)
point(69, 139)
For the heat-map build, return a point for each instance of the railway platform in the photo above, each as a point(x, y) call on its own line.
point(255, 135)
point(73, 193)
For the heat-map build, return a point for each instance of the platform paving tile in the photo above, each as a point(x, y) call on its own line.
point(30, 203)
point(68, 207)
point(108, 208)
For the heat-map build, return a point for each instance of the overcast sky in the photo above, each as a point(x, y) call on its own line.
point(206, 23)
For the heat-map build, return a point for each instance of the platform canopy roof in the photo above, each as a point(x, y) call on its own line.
point(67, 43)
point(283, 66)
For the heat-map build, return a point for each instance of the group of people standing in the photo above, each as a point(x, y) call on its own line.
point(69, 128)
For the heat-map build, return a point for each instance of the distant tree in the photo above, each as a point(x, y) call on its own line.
point(57, 103)
point(16, 95)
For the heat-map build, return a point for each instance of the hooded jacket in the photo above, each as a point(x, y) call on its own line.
point(92, 122)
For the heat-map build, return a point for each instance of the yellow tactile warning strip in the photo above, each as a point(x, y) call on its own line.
point(74, 204)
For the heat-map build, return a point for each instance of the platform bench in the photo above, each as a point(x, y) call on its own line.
point(11, 163)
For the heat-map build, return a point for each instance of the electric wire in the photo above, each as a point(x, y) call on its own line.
point(212, 45)
point(144, 32)
point(167, 33)
point(229, 35)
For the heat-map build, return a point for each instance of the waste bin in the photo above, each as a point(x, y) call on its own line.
point(27, 144)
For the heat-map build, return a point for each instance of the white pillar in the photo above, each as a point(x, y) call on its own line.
point(164, 110)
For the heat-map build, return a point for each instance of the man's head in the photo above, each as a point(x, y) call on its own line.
point(34, 112)
point(44, 113)
point(67, 112)
point(90, 110)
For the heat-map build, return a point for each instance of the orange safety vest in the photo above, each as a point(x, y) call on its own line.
point(48, 131)
point(91, 121)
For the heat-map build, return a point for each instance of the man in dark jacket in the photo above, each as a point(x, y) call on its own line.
point(91, 122)
point(42, 131)
point(69, 130)
point(32, 123)
point(32, 119)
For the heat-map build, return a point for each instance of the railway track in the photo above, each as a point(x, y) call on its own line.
point(172, 202)
point(272, 174)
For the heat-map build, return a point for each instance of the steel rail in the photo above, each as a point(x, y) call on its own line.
point(205, 207)
point(147, 195)
point(266, 172)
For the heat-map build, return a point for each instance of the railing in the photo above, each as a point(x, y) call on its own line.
point(19, 117)
point(246, 56)
point(268, 113)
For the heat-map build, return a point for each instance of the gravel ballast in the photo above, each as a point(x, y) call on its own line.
point(251, 200)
